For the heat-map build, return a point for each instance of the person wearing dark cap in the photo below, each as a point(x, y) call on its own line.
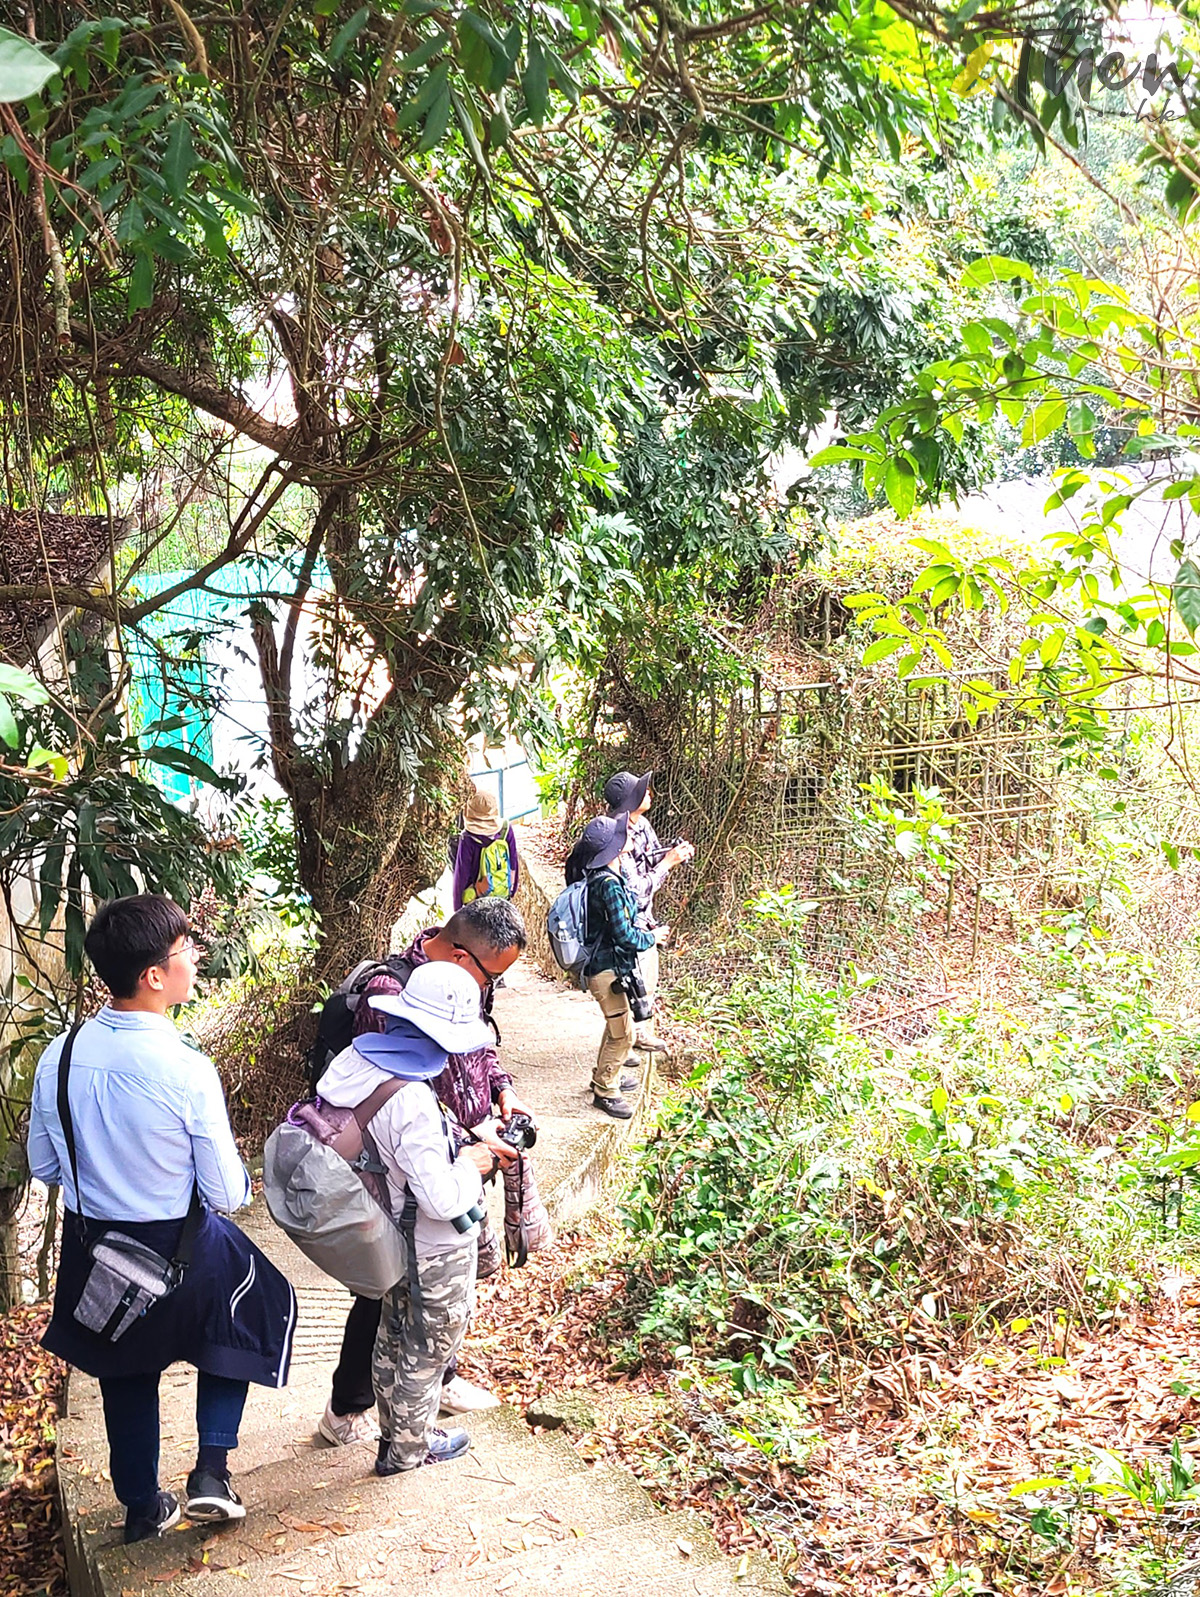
point(645, 865)
point(615, 940)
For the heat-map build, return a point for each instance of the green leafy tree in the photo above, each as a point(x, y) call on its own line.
point(80, 824)
point(1075, 353)
point(530, 288)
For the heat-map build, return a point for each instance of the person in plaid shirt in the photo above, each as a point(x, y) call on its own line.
point(645, 866)
point(615, 941)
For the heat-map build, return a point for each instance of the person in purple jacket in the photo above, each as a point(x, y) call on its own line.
point(486, 864)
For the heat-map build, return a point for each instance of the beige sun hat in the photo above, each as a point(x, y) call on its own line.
point(482, 815)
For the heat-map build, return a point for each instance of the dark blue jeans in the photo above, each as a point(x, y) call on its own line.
point(131, 1420)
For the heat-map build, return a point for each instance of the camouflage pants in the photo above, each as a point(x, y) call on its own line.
point(410, 1357)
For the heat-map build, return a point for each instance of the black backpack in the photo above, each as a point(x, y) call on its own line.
point(335, 1028)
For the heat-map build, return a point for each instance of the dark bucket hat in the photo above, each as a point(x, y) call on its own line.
point(624, 792)
point(602, 840)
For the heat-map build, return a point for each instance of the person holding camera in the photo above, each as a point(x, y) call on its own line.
point(483, 939)
point(614, 940)
point(645, 865)
point(424, 1317)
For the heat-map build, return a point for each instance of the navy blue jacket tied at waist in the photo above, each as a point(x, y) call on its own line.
point(233, 1315)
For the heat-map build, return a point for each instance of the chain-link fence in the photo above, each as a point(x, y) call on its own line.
point(921, 833)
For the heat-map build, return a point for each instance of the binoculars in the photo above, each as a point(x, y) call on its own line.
point(473, 1216)
point(634, 988)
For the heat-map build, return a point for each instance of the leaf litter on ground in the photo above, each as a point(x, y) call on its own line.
point(31, 1385)
point(913, 1458)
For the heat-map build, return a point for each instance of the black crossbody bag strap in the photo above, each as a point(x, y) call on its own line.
point(191, 1225)
point(187, 1237)
point(64, 1116)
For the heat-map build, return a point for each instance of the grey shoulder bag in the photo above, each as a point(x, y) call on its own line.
point(126, 1277)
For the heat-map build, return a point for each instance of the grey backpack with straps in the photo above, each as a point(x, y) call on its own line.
point(326, 1188)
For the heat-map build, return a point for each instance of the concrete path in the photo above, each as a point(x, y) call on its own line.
point(521, 1514)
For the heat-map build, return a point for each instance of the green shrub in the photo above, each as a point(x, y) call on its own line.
point(799, 1192)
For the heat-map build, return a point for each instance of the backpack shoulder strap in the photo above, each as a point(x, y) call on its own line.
point(352, 1138)
point(366, 1111)
point(360, 979)
point(400, 967)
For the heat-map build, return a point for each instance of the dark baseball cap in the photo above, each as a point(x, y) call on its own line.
point(602, 840)
point(624, 792)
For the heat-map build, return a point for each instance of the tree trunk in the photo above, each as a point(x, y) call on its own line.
point(363, 856)
point(371, 827)
point(10, 1259)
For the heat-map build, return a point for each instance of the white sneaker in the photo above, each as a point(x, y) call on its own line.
point(460, 1397)
point(340, 1430)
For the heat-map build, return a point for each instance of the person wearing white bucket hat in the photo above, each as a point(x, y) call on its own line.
point(425, 1315)
point(483, 939)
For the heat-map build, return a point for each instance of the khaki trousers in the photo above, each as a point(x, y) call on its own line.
point(617, 1041)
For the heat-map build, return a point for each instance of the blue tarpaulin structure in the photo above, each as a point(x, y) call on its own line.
point(182, 685)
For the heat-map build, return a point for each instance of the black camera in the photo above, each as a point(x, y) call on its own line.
point(473, 1216)
point(518, 1131)
point(640, 1002)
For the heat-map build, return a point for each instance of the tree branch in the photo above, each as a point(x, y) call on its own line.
point(113, 359)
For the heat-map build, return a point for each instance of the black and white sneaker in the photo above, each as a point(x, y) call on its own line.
point(140, 1527)
point(211, 1499)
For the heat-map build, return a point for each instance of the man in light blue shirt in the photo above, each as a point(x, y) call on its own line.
point(135, 1082)
point(150, 1132)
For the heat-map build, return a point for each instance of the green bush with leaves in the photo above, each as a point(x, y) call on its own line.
point(801, 1192)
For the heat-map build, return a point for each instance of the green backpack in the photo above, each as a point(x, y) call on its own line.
point(495, 872)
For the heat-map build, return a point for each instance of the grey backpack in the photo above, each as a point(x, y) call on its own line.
point(326, 1188)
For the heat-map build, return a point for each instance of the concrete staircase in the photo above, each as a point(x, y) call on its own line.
point(521, 1514)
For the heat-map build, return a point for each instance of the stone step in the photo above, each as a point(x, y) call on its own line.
point(269, 1443)
point(318, 1482)
point(521, 1514)
point(540, 1554)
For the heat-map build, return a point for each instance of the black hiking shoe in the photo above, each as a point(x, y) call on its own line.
point(614, 1106)
point(141, 1526)
point(211, 1499)
point(630, 1081)
point(444, 1446)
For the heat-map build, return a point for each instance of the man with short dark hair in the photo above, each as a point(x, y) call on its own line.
point(144, 1148)
point(484, 938)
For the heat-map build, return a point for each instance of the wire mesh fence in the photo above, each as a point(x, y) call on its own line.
point(922, 835)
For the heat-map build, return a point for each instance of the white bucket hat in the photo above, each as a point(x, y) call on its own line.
point(441, 1000)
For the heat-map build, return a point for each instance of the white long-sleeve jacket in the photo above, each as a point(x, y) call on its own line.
point(415, 1143)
